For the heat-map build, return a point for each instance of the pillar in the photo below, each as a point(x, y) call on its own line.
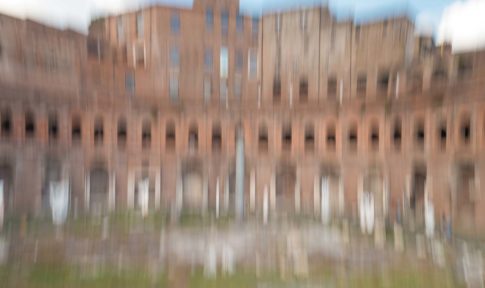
point(239, 176)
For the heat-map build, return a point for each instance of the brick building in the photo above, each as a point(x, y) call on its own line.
point(214, 110)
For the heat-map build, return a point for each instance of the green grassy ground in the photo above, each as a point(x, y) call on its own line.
point(50, 275)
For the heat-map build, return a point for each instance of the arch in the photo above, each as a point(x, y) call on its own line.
point(286, 136)
point(396, 134)
point(285, 189)
point(122, 132)
point(192, 186)
point(98, 189)
point(193, 137)
point(216, 137)
point(29, 124)
point(6, 122)
point(98, 131)
point(331, 136)
point(146, 134)
point(352, 136)
point(374, 135)
point(419, 132)
point(53, 126)
point(309, 137)
point(465, 128)
point(170, 135)
point(76, 129)
point(263, 140)
point(331, 193)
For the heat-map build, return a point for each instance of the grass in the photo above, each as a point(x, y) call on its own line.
point(60, 276)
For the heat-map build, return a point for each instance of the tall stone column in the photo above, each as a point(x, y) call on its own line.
point(239, 176)
point(298, 193)
point(112, 192)
point(130, 195)
point(2, 204)
point(252, 191)
point(157, 188)
point(87, 192)
point(316, 195)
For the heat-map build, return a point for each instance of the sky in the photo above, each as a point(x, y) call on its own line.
point(462, 22)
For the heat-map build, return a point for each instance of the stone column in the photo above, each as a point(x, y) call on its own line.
point(179, 194)
point(217, 197)
point(130, 195)
point(240, 176)
point(272, 193)
point(265, 205)
point(112, 192)
point(157, 188)
point(205, 195)
point(316, 196)
point(252, 191)
point(298, 193)
point(87, 192)
point(2, 204)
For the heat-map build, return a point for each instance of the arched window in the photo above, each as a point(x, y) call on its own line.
point(29, 125)
point(309, 138)
point(122, 133)
point(146, 134)
point(53, 124)
point(98, 131)
point(76, 132)
point(465, 129)
point(216, 137)
point(419, 133)
point(286, 137)
point(374, 136)
point(331, 137)
point(6, 123)
point(263, 143)
point(352, 137)
point(170, 136)
point(193, 137)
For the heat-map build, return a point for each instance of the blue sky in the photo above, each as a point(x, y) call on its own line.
point(460, 21)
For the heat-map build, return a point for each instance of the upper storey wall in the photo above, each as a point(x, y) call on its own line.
point(178, 54)
point(37, 58)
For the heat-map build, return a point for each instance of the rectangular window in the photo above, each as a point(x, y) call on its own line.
point(139, 55)
point(175, 23)
point(174, 56)
point(209, 18)
point(239, 61)
point(208, 59)
point(225, 22)
point(120, 29)
point(332, 88)
point(224, 61)
point(207, 89)
point(174, 87)
point(303, 20)
point(278, 24)
point(286, 138)
point(303, 90)
point(129, 82)
point(276, 90)
point(255, 27)
point(223, 90)
point(239, 23)
point(384, 80)
point(237, 86)
point(361, 85)
point(253, 64)
point(139, 25)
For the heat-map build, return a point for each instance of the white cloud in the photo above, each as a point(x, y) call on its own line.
point(463, 24)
